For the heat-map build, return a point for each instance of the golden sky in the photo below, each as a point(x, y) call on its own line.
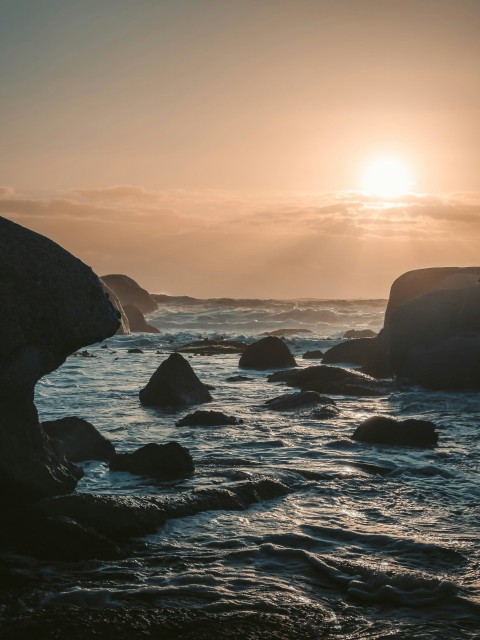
point(217, 147)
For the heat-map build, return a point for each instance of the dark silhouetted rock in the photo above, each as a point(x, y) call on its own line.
point(212, 346)
point(78, 440)
point(267, 353)
point(313, 355)
point(52, 305)
point(332, 380)
point(124, 328)
point(286, 332)
point(299, 400)
point(135, 350)
point(359, 333)
point(207, 419)
point(238, 379)
point(136, 320)
point(355, 351)
point(130, 292)
point(161, 461)
point(383, 430)
point(174, 384)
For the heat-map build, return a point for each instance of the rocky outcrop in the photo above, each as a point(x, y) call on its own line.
point(359, 333)
point(332, 380)
point(383, 430)
point(130, 292)
point(136, 320)
point(78, 440)
point(267, 353)
point(299, 400)
point(207, 419)
point(161, 461)
point(52, 305)
point(354, 351)
point(174, 384)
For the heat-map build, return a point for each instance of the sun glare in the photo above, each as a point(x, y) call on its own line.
point(387, 177)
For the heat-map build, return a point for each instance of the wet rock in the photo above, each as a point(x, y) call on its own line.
point(52, 305)
point(299, 400)
point(313, 355)
point(207, 418)
point(129, 292)
point(360, 333)
point(161, 461)
point(78, 440)
point(384, 430)
point(212, 346)
point(135, 350)
point(333, 380)
point(286, 332)
point(267, 353)
point(174, 384)
point(238, 379)
point(136, 320)
point(355, 351)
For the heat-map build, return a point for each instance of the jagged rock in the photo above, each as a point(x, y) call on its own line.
point(355, 351)
point(207, 419)
point(333, 380)
point(316, 354)
point(53, 305)
point(136, 320)
point(299, 400)
point(359, 333)
point(161, 461)
point(383, 430)
point(267, 353)
point(78, 440)
point(130, 292)
point(174, 384)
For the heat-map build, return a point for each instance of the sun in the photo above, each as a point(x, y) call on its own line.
point(386, 176)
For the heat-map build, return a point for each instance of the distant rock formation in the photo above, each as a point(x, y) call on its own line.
point(267, 353)
point(136, 320)
point(359, 333)
point(130, 292)
point(124, 328)
point(52, 305)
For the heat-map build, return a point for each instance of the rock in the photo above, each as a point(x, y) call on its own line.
point(136, 320)
point(52, 305)
point(286, 332)
point(298, 400)
point(161, 461)
point(207, 419)
point(78, 440)
point(124, 328)
point(238, 379)
point(210, 347)
point(383, 430)
point(359, 333)
point(174, 384)
point(333, 380)
point(313, 355)
point(355, 351)
point(135, 350)
point(129, 292)
point(267, 353)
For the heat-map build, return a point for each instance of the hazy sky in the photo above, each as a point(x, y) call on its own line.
point(216, 147)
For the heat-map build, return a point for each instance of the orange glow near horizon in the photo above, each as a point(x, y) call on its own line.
point(386, 176)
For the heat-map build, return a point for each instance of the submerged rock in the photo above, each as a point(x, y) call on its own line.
point(78, 440)
point(301, 399)
point(130, 292)
point(53, 305)
point(213, 346)
point(267, 353)
point(286, 332)
point(161, 461)
point(174, 384)
point(238, 379)
point(136, 320)
point(334, 380)
point(207, 419)
point(384, 430)
point(135, 350)
point(316, 354)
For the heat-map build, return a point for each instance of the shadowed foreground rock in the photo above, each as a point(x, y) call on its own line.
point(384, 430)
point(130, 292)
point(52, 305)
point(78, 440)
point(174, 384)
point(161, 461)
point(267, 353)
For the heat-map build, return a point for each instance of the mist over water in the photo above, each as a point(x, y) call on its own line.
point(361, 540)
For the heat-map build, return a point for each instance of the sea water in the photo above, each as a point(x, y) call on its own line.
point(369, 541)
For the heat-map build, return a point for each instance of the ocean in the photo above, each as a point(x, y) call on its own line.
point(366, 541)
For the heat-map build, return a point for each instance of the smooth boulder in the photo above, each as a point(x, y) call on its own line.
point(384, 430)
point(162, 461)
point(354, 351)
point(268, 353)
point(130, 292)
point(331, 380)
point(174, 384)
point(316, 354)
point(136, 320)
point(78, 440)
point(207, 419)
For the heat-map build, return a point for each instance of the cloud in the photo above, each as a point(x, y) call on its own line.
point(6, 192)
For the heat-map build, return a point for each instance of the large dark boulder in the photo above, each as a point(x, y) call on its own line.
point(355, 351)
point(174, 384)
point(331, 380)
point(78, 440)
point(161, 461)
point(130, 292)
point(52, 305)
point(383, 430)
point(136, 320)
point(268, 353)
